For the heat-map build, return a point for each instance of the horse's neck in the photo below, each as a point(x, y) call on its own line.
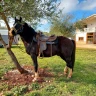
point(28, 34)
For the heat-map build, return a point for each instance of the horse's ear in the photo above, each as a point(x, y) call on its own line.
point(20, 19)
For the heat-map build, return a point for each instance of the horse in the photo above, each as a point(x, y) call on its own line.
point(65, 48)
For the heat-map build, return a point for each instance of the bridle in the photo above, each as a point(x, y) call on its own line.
point(16, 30)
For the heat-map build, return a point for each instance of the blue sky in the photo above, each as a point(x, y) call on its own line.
point(79, 8)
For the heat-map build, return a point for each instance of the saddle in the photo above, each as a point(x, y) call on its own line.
point(43, 40)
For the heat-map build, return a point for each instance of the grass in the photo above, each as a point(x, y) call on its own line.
point(83, 82)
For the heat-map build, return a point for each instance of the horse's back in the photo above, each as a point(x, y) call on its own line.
point(65, 45)
point(65, 41)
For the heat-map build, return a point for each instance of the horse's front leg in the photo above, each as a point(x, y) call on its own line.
point(34, 58)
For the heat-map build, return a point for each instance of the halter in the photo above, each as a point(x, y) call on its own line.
point(16, 30)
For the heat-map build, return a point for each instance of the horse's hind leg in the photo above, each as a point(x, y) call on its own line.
point(68, 70)
point(69, 67)
point(70, 73)
point(66, 67)
point(65, 70)
point(34, 58)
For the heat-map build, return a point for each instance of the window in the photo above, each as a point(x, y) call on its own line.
point(85, 26)
point(81, 38)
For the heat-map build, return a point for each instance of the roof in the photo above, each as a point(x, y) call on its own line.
point(3, 31)
point(90, 18)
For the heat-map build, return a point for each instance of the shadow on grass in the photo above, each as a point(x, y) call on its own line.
point(13, 46)
point(17, 46)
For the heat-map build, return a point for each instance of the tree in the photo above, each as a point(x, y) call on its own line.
point(80, 24)
point(29, 10)
point(63, 26)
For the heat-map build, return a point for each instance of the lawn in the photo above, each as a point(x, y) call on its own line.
point(83, 82)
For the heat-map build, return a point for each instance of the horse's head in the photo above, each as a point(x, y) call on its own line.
point(16, 29)
point(17, 26)
point(23, 29)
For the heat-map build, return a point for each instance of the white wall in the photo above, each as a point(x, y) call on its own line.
point(80, 34)
point(91, 27)
point(91, 23)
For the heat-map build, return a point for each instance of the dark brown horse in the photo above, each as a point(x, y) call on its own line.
point(65, 48)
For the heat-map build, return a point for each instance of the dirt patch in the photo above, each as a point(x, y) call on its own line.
point(13, 77)
point(89, 46)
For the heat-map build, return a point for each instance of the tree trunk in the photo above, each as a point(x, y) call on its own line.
point(8, 27)
point(5, 20)
point(13, 57)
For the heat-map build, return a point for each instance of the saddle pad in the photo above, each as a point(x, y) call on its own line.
point(47, 42)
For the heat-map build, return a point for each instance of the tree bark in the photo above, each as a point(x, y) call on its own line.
point(5, 20)
point(14, 59)
point(11, 54)
point(8, 27)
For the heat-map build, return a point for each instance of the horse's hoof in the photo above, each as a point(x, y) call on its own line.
point(69, 77)
point(65, 74)
point(39, 79)
point(33, 76)
point(35, 80)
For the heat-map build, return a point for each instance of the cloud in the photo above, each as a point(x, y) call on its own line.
point(71, 5)
point(87, 5)
point(68, 5)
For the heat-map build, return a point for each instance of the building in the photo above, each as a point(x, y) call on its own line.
point(88, 36)
point(4, 34)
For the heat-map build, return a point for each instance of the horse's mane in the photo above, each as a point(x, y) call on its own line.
point(28, 32)
point(30, 29)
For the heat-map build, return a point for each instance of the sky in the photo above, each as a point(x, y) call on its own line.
point(79, 8)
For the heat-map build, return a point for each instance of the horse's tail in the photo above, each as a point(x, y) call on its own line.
point(73, 54)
